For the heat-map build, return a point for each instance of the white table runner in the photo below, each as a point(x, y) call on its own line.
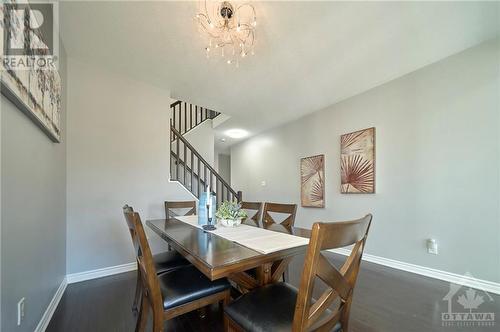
point(258, 239)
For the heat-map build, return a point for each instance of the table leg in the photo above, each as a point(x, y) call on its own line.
point(278, 268)
point(264, 274)
point(245, 281)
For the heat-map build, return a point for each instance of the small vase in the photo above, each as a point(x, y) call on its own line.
point(230, 222)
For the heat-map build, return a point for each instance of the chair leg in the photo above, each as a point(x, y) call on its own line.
point(143, 316)
point(225, 301)
point(138, 292)
point(157, 323)
point(344, 318)
point(226, 323)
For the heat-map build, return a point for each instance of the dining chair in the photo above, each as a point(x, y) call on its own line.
point(170, 206)
point(163, 262)
point(289, 209)
point(172, 293)
point(254, 208)
point(269, 223)
point(281, 307)
point(284, 226)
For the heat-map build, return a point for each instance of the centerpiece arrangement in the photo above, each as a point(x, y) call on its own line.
point(230, 214)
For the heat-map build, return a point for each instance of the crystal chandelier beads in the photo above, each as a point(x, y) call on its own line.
point(230, 29)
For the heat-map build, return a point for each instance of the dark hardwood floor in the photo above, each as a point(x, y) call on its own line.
point(385, 300)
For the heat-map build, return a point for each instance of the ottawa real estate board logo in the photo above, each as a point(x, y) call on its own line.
point(30, 35)
point(468, 307)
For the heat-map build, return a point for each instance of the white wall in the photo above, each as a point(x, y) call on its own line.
point(224, 167)
point(202, 139)
point(437, 167)
point(33, 213)
point(118, 153)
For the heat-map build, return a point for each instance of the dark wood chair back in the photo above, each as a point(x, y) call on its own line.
point(255, 209)
point(312, 316)
point(290, 209)
point(131, 227)
point(145, 263)
point(169, 206)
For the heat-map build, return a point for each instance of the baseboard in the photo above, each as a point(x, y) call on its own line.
point(99, 273)
point(77, 277)
point(51, 308)
point(465, 280)
point(488, 286)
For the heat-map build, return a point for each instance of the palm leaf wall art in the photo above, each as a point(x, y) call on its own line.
point(312, 178)
point(357, 162)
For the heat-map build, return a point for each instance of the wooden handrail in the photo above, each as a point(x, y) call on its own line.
point(175, 103)
point(184, 117)
point(182, 162)
point(184, 120)
point(178, 136)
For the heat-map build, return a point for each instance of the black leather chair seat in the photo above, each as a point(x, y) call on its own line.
point(169, 260)
point(266, 309)
point(186, 284)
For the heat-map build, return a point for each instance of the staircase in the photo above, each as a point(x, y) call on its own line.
point(187, 116)
point(187, 166)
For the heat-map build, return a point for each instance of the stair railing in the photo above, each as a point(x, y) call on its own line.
point(189, 168)
point(186, 116)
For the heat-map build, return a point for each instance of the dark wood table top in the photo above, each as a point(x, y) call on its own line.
point(215, 256)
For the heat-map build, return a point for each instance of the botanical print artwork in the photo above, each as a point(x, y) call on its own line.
point(357, 164)
point(312, 174)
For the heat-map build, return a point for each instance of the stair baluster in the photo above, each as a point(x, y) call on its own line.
point(201, 174)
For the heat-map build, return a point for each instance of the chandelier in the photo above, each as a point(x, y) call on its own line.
point(229, 28)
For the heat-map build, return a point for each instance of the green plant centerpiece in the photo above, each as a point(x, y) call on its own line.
point(230, 214)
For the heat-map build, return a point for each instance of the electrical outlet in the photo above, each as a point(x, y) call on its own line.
point(263, 183)
point(432, 246)
point(20, 311)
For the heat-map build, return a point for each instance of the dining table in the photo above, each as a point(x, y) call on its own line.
point(250, 263)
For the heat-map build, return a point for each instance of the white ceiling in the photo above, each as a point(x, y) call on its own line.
point(308, 55)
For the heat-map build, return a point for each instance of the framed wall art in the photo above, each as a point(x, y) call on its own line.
point(357, 162)
point(312, 181)
point(33, 88)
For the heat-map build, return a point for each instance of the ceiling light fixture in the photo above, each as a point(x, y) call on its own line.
point(230, 29)
point(236, 133)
